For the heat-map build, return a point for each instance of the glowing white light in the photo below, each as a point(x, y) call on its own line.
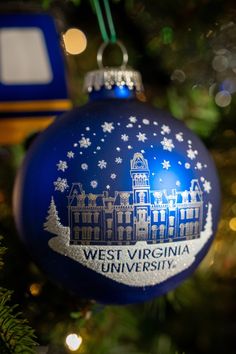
point(73, 341)
point(75, 41)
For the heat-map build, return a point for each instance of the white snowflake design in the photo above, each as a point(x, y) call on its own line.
point(179, 137)
point(107, 127)
point(84, 166)
point(207, 186)
point(166, 164)
point(84, 142)
point(62, 166)
point(102, 164)
point(118, 160)
point(113, 176)
point(187, 165)
point(141, 137)
point(133, 119)
point(192, 154)
point(94, 184)
point(167, 144)
point(61, 184)
point(124, 137)
point(130, 147)
point(165, 129)
point(130, 125)
point(198, 166)
point(146, 121)
point(70, 154)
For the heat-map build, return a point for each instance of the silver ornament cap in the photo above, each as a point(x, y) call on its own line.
point(108, 77)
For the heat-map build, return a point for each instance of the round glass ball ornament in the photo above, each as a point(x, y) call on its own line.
point(117, 201)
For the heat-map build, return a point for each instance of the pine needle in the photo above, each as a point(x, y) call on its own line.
point(16, 336)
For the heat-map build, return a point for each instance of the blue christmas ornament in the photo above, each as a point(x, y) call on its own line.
point(117, 201)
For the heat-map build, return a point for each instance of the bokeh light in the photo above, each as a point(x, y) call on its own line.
point(223, 98)
point(73, 342)
point(75, 41)
point(232, 224)
point(220, 63)
point(178, 75)
point(167, 35)
point(35, 289)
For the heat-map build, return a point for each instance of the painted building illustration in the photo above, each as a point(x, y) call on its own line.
point(141, 214)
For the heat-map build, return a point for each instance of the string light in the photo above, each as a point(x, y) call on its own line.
point(73, 341)
point(75, 41)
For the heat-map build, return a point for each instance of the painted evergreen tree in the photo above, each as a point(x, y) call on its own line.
point(207, 232)
point(53, 221)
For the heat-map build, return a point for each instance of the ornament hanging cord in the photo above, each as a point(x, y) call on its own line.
point(101, 21)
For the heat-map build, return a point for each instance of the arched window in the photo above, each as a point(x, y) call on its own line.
point(171, 220)
point(109, 223)
point(162, 230)
point(76, 216)
point(196, 212)
point(109, 234)
point(128, 232)
point(196, 227)
point(96, 233)
point(154, 231)
point(120, 232)
point(163, 215)
point(187, 229)
point(120, 217)
point(84, 232)
point(181, 227)
point(89, 232)
point(191, 228)
point(155, 215)
point(141, 197)
point(182, 214)
point(89, 217)
point(127, 217)
point(95, 217)
point(76, 232)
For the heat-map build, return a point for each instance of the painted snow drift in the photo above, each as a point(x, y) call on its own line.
point(153, 263)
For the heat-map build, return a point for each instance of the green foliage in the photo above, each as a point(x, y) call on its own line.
point(16, 336)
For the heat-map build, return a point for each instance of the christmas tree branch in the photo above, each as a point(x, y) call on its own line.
point(16, 336)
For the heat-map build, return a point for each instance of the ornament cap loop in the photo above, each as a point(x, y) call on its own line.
point(104, 46)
